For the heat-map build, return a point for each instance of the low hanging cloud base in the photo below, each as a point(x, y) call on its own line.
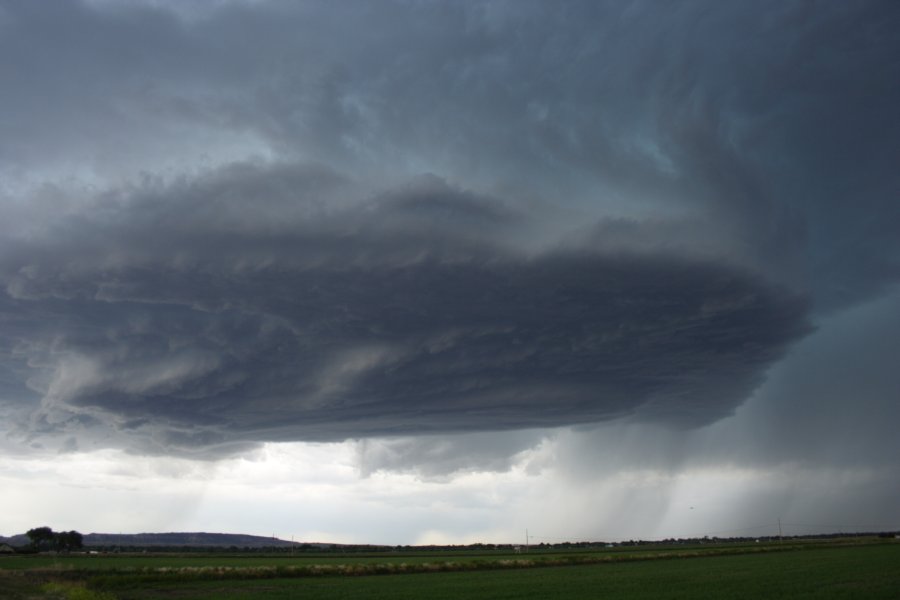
point(341, 326)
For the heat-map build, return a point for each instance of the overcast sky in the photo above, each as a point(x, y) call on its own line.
point(420, 271)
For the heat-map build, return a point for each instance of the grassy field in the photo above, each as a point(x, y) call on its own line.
point(790, 571)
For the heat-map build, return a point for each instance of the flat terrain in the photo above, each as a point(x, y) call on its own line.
point(861, 570)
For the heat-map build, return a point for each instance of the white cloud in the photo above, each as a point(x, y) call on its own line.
point(314, 492)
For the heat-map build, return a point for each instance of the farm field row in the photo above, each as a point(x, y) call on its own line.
point(870, 572)
point(813, 571)
point(150, 561)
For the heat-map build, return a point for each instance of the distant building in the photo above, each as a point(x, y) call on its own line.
point(4, 549)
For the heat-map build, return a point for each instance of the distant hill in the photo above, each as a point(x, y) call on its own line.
point(194, 539)
point(16, 540)
point(151, 540)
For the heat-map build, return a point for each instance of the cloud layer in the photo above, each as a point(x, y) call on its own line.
point(194, 317)
point(258, 222)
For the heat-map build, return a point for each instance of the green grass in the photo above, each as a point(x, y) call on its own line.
point(858, 572)
point(797, 570)
point(105, 562)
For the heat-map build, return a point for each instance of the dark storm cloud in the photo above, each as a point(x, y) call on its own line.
point(405, 314)
point(776, 121)
point(832, 402)
point(153, 293)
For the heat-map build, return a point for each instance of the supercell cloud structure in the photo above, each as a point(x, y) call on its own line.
point(404, 315)
point(251, 222)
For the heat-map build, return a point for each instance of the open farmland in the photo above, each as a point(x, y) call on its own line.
point(863, 568)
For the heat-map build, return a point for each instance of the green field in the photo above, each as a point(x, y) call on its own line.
point(816, 570)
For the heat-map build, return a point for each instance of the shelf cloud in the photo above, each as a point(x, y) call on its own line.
point(258, 222)
point(184, 319)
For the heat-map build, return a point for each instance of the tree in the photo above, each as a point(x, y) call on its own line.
point(42, 538)
point(68, 540)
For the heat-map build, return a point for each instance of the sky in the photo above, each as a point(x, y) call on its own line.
point(415, 272)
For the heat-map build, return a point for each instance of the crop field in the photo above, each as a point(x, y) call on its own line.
point(865, 568)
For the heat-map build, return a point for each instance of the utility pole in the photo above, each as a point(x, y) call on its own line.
point(780, 537)
point(526, 540)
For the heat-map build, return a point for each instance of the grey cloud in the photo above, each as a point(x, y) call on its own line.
point(832, 402)
point(437, 458)
point(416, 317)
point(821, 426)
point(776, 122)
point(152, 293)
point(827, 409)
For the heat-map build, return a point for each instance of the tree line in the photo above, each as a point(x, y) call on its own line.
point(44, 538)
